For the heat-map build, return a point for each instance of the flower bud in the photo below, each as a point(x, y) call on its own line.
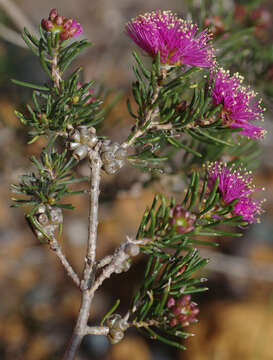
point(171, 302)
point(64, 36)
point(47, 24)
point(81, 152)
point(53, 13)
point(59, 20)
point(67, 24)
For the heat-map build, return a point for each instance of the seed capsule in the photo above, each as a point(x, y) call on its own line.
point(43, 219)
point(92, 140)
point(75, 135)
point(81, 152)
point(115, 336)
point(41, 209)
point(120, 154)
point(107, 157)
point(73, 145)
point(56, 216)
point(132, 249)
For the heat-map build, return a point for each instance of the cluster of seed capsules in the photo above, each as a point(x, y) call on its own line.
point(182, 220)
point(183, 311)
point(117, 325)
point(49, 218)
point(67, 27)
point(124, 262)
point(83, 138)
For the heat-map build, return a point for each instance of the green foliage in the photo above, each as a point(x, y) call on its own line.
point(60, 104)
point(48, 185)
point(164, 278)
point(172, 260)
point(174, 105)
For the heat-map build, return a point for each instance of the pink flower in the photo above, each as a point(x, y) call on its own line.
point(236, 184)
point(68, 28)
point(239, 105)
point(176, 39)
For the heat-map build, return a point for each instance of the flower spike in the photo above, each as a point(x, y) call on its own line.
point(175, 38)
point(236, 184)
point(239, 105)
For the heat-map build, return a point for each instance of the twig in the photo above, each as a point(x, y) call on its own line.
point(88, 274)
point(97, 330)
point(149, 117)
point(113, 260)
point(55, 69)
point(54, 245)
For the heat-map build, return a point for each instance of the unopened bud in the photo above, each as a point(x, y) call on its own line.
point(59, 20)
point(53, 13)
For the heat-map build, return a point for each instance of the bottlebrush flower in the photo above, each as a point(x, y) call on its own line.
point(239, 105)
point(175, 38)
point(183, 311)
point(182, 220)
point(236, 184)
point(67, 27)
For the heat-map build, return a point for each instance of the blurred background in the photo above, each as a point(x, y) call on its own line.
point(38, 303)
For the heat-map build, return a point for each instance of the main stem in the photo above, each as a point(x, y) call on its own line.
point(81, 328)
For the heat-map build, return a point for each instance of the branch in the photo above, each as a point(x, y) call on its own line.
point(54, 246)
point(110, 262)
point(150, 117)
point(97, 330)
point(96, 165)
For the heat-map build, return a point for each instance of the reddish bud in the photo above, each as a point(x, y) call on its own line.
point(59, 20)
point(176, 311)
point(64, 36)
point(173, 322)
point(47, 24)
point(53, 13)
point(171, 302)
point(67, 24)
point(182, 318)
point(184, 300)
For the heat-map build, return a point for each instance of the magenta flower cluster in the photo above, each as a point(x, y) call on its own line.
point(182, 220)
point(236, 184)
point(240, 108)
point(183, 311)
point(67, 27)
point(177, 40)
